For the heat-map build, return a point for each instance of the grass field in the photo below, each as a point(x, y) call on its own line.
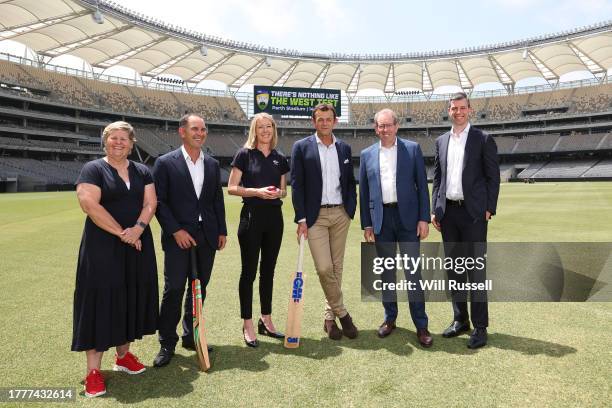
point(539, 354)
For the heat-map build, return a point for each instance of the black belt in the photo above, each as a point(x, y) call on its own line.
point(390, 205)
point(455, 203)
point(331, 205)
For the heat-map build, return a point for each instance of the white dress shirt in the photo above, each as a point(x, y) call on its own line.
point(330, 170)
point(454, 164)
point(196, 171)
point(388, 172)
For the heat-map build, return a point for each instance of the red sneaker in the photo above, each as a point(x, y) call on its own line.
point(94, 384)
point(129, 364)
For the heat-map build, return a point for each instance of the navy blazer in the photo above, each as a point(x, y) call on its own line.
point(479, 179)
point(307, 179)
point(410, 183)
point(178, 206)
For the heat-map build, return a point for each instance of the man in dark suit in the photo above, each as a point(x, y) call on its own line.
point(464, 197)
point(395, 211)
point(325, 198)
point(191, 213)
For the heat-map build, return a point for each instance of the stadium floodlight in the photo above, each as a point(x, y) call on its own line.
point(97, 15)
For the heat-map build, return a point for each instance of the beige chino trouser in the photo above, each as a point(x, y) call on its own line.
point(327, 241)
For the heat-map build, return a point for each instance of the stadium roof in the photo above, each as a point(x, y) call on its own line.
point(106, 34)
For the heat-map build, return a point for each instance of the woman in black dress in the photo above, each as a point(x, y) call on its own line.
point(116, 296)
point(258, 175)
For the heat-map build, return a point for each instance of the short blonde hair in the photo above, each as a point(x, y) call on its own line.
point(119, 125)
point(251, 142)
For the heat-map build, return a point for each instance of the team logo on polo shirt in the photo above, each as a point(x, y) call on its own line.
point(262, 98)
point(275, 162)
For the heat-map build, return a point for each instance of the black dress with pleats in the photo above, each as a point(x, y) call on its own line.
point(116, 293)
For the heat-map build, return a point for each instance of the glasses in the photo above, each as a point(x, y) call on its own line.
point(383, 126)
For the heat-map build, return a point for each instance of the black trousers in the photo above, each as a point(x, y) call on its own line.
point(177, 271)
point(260, 230)
point(465, 237)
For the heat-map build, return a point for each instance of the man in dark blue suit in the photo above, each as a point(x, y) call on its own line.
point(464, 197)
point(395, 210)
point(325, 198)
point(191, 213)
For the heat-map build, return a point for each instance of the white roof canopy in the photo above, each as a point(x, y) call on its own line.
point(152, 48)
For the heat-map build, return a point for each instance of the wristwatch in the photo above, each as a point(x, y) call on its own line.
point(141, 224)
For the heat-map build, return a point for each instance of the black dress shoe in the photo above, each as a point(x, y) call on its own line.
point(252, 343)
point(455, 329)
point(263, 330)
point(386, 328)
point(478, 338)
point(163, 357)
point(188, 343)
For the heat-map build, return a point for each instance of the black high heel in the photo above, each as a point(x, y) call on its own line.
point(263, 330)
point(252, 343)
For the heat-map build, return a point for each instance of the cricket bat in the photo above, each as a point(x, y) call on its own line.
point(296, 303)
point(199, 336)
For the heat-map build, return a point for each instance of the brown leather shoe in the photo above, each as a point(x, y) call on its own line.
point(331, 328)
point(424, 337)
point(348, 328)
point(386, 328)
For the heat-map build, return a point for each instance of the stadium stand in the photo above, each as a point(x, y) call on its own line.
point(427, 112)
point(601, 169)
point(112, 96)
point(577, 142)
point(592, 99)
point(428, 144)
point(153, 144)
point(65, 88)
point(224, 143)
point(505, 144)
point(564, 169)
point(13, 74)
point(161, 103)
point(40, 171)
point(530, 170)
point(36, 133)
point(536, 144)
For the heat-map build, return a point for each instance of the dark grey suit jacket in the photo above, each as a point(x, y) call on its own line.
point(178, 206)
point(480, 176)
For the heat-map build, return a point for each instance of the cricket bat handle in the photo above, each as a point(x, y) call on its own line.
point(301, 254)
point(194, 262)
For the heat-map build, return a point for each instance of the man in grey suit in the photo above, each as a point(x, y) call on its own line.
point(395, 211)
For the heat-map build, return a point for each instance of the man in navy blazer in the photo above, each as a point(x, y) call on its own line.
point(395, 210)
point(325, 198)
point(191, 213)
point(464, 197)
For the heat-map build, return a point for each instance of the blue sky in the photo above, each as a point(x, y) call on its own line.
point(381, 26)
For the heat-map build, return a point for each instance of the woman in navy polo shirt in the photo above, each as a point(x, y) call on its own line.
point(258, 175)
